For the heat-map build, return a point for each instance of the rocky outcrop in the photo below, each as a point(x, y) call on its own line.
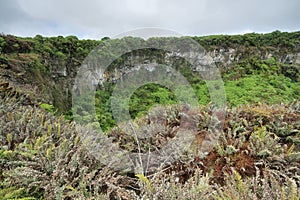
point(221, 58)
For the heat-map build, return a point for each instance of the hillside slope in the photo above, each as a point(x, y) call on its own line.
point(45, 157)
point(255, 156)
point(51, 64)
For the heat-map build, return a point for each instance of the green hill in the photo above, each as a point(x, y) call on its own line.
point(46, 155)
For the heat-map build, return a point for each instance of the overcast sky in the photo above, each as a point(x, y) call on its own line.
point(98, 18)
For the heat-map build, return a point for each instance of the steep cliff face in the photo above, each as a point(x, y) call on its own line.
point(46, 64)
point(51, 64)
point(221, 58)
point(228, 57)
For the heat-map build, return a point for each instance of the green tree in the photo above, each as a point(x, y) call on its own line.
point(2, 43)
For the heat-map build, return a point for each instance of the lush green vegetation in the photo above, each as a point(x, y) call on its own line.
point(44, 156)
point(265, 81)
point(249, 81)
point(284, 40)
point(33, 61)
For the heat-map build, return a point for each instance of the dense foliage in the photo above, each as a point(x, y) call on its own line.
point(44, 156)
point(284, 40)
point(51, 63)
point(249, 81)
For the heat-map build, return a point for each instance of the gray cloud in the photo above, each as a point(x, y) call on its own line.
point(99, 18)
